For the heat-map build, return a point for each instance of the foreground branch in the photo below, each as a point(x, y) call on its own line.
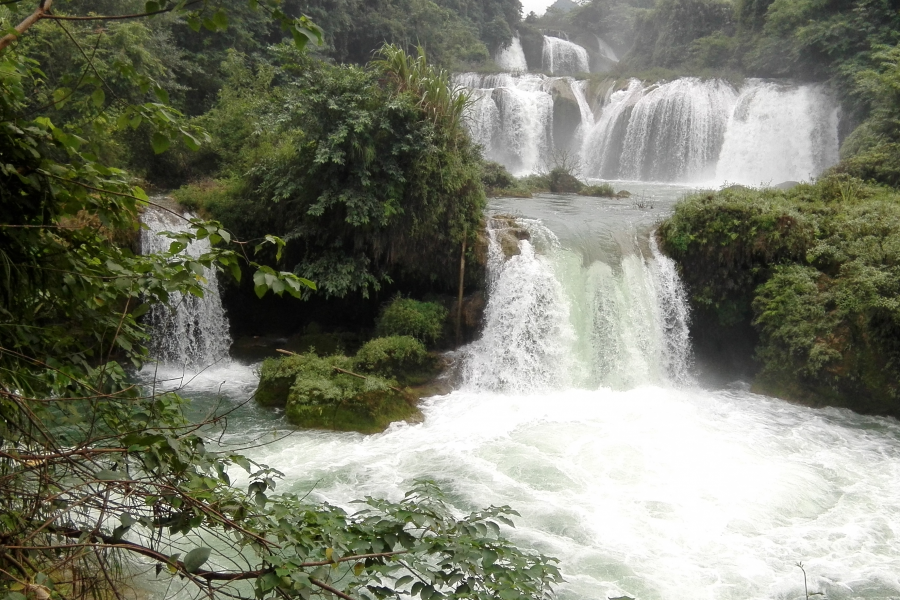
point(39, 13)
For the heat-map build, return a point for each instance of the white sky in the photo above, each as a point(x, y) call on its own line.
point(538, 6)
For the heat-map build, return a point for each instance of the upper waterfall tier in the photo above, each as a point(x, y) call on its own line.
point(562, 57)
point(512, 58)
point(688, 130)
point(190, 331)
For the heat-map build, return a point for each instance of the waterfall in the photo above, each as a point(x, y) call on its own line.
point(517, 118)
point(512, 57)
point(562, 57)
point(779, 132)
point(606, 50)
point(190, 331)
point(687, 131)
point(675, 131)
point(553, 322)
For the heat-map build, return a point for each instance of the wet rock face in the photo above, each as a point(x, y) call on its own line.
point(509, 234)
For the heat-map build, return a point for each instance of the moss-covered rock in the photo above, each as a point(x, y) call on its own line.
point(348, 394)
point(276, 376)
point(402, 358)
point(326, 393)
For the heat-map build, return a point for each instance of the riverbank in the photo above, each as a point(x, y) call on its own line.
point(805, 282)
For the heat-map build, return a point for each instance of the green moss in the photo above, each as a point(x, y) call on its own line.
point(321, 392)
point(402, 358)
point(323, 398)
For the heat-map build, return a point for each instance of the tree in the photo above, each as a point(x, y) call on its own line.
point(92, 468)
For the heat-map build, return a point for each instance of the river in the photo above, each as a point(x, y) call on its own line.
point(642, 481)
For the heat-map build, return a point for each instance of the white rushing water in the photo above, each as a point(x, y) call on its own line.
point(688, 130)
point(190, 331)
point(512, 58)
point(562, 57)
point(511, 116)
point(577, 410)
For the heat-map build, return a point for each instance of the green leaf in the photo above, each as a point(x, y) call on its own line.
point(195, 559)
point(159, 142)
point(161, 94)
point(138, 192)
point(98, 97)
point(221, 19)
point(150, 6)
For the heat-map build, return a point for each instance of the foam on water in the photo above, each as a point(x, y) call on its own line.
point(654, 493)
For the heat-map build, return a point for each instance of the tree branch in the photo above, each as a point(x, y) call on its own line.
point(39, 13)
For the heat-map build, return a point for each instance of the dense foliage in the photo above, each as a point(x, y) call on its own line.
point(367, 173)
point(424, 321)
point(815, 271)
point(100, 479)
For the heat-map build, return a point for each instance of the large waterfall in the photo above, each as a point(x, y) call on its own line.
point(688, 130)
point(189, 331)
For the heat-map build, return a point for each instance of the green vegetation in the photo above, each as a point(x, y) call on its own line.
point(367, 173)
point(603, 190)
point(423, 321)
point(97, 470)
point(337, 392)
point(814, 271)
point(399, 356)
point(327, 394)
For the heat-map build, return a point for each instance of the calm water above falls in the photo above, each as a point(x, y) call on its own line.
point(641, 485)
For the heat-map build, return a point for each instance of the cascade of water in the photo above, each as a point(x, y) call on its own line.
point(779, 132)
point(579, 90)
point(551, 320)
point(190, 331)
point(602, 148)
point(511, 117)
point(512, 58)
point(561, 57)
point(527, 334)
point(674, 314)
point(675, 131)
point(688, 130)
point(606, 50)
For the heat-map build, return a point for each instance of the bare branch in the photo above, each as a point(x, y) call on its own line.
point(27, 23)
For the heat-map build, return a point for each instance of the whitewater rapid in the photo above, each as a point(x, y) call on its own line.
point(574, 410)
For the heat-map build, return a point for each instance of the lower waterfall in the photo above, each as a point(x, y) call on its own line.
point(189, 331)
point(552, 322)
point(578, 411)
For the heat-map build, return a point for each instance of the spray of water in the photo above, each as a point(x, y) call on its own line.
point(190, 331)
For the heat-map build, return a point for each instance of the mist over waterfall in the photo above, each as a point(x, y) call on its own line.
point(686, 131)
point(554, 322)
point(189, 331)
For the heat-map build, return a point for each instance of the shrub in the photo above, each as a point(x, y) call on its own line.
point(603, 190)
point(396, 356)
point(495, 176)
point(562, 181)
point(405, 317)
